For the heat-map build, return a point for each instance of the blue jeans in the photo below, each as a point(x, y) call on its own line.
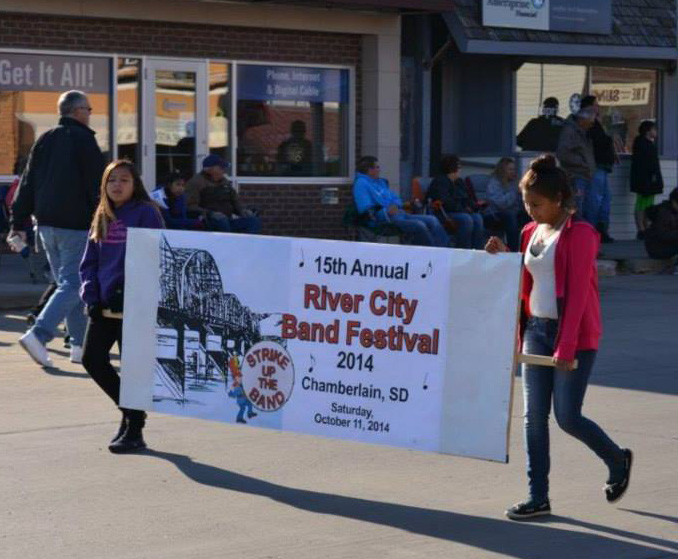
point(567, 389)
point(250, 224)
point(65, 249)
point(425, 230)
point(583, 197)
point(470, 230)
point(596, 206)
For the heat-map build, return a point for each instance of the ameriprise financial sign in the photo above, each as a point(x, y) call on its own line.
point(570, 16)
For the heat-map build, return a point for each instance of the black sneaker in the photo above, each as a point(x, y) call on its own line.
point(528, 509)
point(615, 491)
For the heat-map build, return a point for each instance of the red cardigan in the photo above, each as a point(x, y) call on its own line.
point(579, 321)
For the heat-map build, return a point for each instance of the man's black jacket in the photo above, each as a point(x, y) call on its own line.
point(60, 185)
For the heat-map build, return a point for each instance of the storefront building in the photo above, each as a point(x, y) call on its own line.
point(488, 73)
point(287, 93)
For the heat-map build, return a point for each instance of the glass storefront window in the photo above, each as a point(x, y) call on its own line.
point(292, 121)
point(219, 111)
point(175, 114)
point(30, 85)
point(129, 129)
point(626, 97)
point(536, 83)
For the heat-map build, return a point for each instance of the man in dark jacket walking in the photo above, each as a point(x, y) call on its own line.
point(60, 188)
point(597, 203)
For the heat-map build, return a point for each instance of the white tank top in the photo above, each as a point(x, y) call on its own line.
point(542, 267)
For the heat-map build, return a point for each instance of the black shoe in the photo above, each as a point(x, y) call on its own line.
point(121, 429)
point(240, 420)
point(615, 491)
point(132, 439)
point(606, 239)
point(251, 414)
point(67, 341)
point(528, 509)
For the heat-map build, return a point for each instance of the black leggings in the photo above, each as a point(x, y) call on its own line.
point(101, 334)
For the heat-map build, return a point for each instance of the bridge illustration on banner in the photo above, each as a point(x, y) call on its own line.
point(200, 327)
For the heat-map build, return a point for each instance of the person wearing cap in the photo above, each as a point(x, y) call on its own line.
point(576, 156)
point(542, 133)
point(210, 195)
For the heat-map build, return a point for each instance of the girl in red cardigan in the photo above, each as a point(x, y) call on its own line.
point(560, 318)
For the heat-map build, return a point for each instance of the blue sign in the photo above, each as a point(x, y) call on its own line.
point(582, 16)
point(292, 83)
point(570, 16)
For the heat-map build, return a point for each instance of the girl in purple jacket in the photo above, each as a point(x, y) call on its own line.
point(123, 203)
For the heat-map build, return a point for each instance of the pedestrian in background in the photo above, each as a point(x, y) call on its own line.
point(560, 318)
point(575, 153)
point(597, 203)
point(60, 187)
point(124, 203)
point(646, 173)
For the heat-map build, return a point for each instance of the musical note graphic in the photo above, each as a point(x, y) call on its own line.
point(310, 369)
point(425, 387)
point(429, 270)
point(301, 264)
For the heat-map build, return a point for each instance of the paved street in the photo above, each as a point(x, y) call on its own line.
point(209, 490)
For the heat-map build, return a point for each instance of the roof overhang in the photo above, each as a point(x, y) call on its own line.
point(432, 6)
point(553, 50)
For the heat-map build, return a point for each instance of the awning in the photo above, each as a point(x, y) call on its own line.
point(638, 32)
point(380, 5)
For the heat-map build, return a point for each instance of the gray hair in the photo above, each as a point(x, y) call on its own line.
point(70, 101)
point(588, 113)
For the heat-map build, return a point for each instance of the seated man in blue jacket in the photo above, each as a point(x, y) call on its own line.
point(373, 196)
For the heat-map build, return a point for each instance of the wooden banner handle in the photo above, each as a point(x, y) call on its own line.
point(540, 360)
point(108, 313)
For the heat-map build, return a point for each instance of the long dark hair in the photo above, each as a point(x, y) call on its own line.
point(105, 214)
point(545, 178)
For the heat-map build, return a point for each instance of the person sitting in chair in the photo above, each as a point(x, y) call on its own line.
point(373, 197)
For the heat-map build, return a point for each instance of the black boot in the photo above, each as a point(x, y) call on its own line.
point(122, 428)
point(132, 439)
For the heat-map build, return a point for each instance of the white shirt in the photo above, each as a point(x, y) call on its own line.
point(542, 267)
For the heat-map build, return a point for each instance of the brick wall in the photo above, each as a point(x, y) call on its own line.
point(296, 211)
point(287, 209)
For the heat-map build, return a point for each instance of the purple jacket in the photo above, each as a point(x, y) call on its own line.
point(103, 267)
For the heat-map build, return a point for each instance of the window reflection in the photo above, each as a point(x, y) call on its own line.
point(292, 121)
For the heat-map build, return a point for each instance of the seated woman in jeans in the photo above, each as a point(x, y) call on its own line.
point(450, 190)
point(505, 205)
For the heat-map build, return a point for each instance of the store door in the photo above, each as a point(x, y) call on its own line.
point(175, 121)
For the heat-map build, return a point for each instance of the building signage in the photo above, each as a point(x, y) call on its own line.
point(571, 16)
point(37, 72)
point(622, 94)
point(373, 343)
point(288, 83)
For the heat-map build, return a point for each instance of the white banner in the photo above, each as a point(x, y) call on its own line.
point(397, 345)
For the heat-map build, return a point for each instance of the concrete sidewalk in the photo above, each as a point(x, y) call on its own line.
point(209, 490)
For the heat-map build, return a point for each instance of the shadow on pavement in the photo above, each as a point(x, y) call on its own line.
point(56, 372)
point(13, 321)
point(653, 515)
point(519, 540)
